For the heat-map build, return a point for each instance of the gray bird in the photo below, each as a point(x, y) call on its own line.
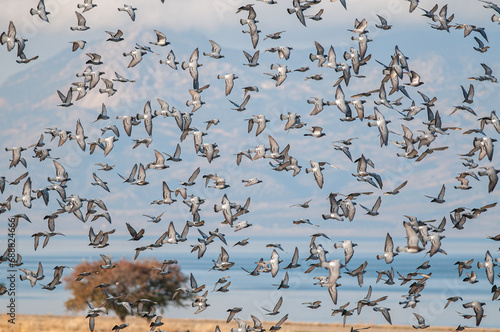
point(170, 60)
point(388, 250)
point(488, 265)
point(385, 313)
point(276, 308)
point(41, 11)
point(478, 310)
point(316, 168)
point(215, 53)
point(130, 11)
point(81, 23)
point(347, 245)
point(107, 263)
point(492, 174)
point(99, 182)
point(136, 55)
point(381, 123)
point(86, 5)
point(412, 240)
point(452, 299)
point(192, 65)
point(115, 36)
point(253, 60)
point(334, 209)
point(421, 322)
point(161, 39)
point(297, 9)
point(229, 79)
point(374, 210)
point(440, 198)
point(383, 23)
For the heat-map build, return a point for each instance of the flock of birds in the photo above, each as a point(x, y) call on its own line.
point(342, 206)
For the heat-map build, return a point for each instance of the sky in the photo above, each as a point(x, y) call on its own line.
point(444, 61)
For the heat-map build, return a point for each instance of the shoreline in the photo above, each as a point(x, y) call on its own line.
point(52, 323)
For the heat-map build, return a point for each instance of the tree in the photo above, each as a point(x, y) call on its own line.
point(129, 281)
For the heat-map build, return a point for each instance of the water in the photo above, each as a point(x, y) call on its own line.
point(255, 292)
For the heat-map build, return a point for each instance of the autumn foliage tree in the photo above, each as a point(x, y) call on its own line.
point(130, 281)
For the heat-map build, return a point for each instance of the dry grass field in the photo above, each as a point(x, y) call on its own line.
point(42, 323)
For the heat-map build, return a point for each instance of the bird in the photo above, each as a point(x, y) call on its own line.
point(120, 78)
point(215, 53)
point(167, 196)
point(281, 76)
point(129, 10)
point(297, 9)
point(66, 99)
point(190, 181)
point(260, 120)
point(99, 182)
point(374, 210)
point(274, 35)
point(192, 65)
point(388, 250)
point(480, 46)
point(229, 79)
point(313, 305)
point(492, 174)
point(9, 38)
point(241, 107)
point(381, 123)
point(110, 90)
point(253, 60)
point(251, 181)
point(347, 245)
point(488, 266)
point(276, 308)
point(107, 263)
point(383, 23)
point(385, 313)
point(478, 310)
point(131, 177)
point(358, 273)
point(304, 205)
point(468, 95)
point(41, 11)
point(334, 209)
point(316, 168)
point(81, 23)
point(176, 156)
point(452, 299)
point(32, 276)
point(47, 236)
point(412, 240)
point(161, 39)
point(277, 326)
point(397, 189)
point(463, 265)
point(316, 132)
point(283, 51)
point(222, 263)
point(440, 198)
point(115, 36)
point(86, 5)
point(136, 55)
point(135, 236)
point(421, 322)
point(170, 60)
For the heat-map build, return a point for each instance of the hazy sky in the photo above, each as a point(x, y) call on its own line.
point(445, 61)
